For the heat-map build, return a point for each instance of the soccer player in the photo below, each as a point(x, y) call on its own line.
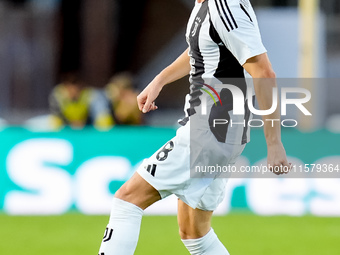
point(224, 42)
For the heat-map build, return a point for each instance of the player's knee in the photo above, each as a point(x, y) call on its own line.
point(123, 192)
point(130, 189)
point(138, 192)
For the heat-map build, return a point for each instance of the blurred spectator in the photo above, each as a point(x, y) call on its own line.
point(73, 104)
point(122, 99)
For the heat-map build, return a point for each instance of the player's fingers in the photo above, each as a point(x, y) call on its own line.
point(286, 167)
point(270, 167)
point(148, 106)
point(276, 168)
point(273, 168)
point(280, 167)
point(140, 106)
point(153, 106)
point(141, 101)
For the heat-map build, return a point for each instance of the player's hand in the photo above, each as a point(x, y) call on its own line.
point(146, 99)
point(277, 159)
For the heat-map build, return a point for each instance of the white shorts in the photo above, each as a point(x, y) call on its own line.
point(168, 169)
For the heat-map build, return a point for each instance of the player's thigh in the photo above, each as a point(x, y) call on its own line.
point(193, 223)
point(138, 192)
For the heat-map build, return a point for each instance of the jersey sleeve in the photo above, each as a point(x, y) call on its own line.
point(237, 27)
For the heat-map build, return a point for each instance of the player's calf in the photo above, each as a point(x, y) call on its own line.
point(122, 232)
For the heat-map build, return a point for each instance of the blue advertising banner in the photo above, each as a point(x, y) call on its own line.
point(70, 170)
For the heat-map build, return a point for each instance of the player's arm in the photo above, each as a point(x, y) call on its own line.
point(178, 69)
point(259, 67)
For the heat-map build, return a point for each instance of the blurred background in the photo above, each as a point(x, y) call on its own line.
point(71, 133)
point(48, 42)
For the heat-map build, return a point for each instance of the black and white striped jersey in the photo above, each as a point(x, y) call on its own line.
point(222, 35)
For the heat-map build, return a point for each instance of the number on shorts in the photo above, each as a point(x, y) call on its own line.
point(163, 153)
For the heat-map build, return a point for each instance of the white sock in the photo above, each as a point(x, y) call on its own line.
point(206, 245)
point(122, 232)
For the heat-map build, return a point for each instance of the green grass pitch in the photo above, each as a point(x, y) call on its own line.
point(243, 234)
